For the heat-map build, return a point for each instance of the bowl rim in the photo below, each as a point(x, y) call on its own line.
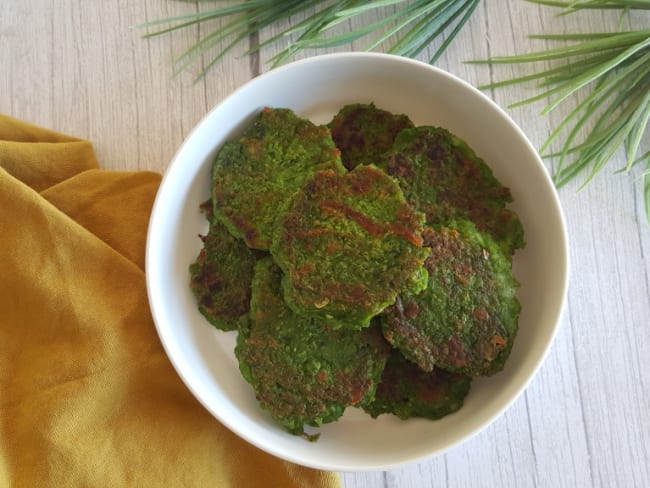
point(157, 219)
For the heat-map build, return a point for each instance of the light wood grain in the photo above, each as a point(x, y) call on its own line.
point(82, 68)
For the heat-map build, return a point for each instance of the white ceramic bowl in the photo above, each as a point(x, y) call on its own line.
point(316, 88)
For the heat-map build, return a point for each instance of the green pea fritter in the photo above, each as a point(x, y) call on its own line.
point(444, 178)
point(220, 277)
point(407, 391)
point(348, 244)
point(255, 174)
point(364, 133)
point(466, 319)
point(303, 371)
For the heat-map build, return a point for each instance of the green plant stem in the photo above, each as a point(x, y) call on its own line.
point(613, 68)
point(417, 23)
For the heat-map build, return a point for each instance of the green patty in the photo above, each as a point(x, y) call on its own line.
point(364, 133)
point(220, 278)
point(443, 177)
point(348, 244)
point(304, 372)
point(466, 319)
point(407, 391)
point(258, 172)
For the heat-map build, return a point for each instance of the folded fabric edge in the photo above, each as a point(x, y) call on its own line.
point(12, 187)
point(113, 205)
point(13, 129)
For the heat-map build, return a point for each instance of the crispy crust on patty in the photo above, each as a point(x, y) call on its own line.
point(407, 391)
point(220, 277)
point(444, 178)
point(364, 133)
point(255, 174)
point(303, 371)
point(467, 317)
point(348, 244)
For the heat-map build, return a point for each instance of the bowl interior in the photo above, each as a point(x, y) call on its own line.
point(317, 88)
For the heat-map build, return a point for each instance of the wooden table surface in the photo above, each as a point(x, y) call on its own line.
point(81, 67)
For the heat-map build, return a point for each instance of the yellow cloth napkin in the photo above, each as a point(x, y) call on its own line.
point(88, 397)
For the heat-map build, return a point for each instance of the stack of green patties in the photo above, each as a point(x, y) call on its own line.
point(364, 263)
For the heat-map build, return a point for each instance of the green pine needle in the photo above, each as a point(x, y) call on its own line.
point(613, 70)
point(596, 4)
point(416, 23)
